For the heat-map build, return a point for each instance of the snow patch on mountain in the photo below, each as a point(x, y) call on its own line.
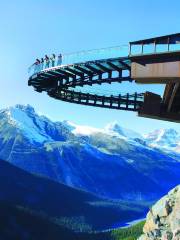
point(40, 129)
point(84, 130)
point(111, 129)
point(25, 119)
point(165, 139)
point(115, 129)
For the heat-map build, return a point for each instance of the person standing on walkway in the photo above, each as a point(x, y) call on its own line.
point(47, 61)
point(37, 64)
point(59, 59)
point(53, 58)
point(42, 63)
point(37, 61)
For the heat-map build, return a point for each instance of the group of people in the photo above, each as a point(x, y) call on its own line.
point(49, 61)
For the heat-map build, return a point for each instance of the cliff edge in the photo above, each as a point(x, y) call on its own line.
point(163, 219)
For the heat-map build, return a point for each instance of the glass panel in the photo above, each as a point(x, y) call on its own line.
point(148, 48)
point(95, 66)
point(84, 56)
point(174, 47)
point(151, 48)
point(161, 48)
point(107, 66)
point(136, 49)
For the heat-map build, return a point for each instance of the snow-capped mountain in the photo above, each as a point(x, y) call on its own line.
point(25, 119)
point(164, 139)
point(112, 162)
point(109, 133)
point(115, 129)
point(35, 128)
point(112, 129)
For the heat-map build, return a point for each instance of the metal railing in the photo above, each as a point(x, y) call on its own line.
point(83, 56)
point(143, 49)
point(107, 93)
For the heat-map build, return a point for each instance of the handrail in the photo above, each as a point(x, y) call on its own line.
point(78, 57)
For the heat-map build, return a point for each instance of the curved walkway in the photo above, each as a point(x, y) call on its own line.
point(59, 79)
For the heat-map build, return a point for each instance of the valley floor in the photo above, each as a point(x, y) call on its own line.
point(18, 223)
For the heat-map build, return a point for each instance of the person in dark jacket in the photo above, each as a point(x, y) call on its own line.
point(37, 61)
point(36, 66)
point(46, 61)
point(59, 59)
point(53, 58)
point(42, 63)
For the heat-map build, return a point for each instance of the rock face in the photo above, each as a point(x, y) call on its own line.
point(163, 220)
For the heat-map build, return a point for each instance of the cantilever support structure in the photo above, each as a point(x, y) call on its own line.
point(161, 66)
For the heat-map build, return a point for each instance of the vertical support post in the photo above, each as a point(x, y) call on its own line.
point(95, 99)
point(79, 100)
point(168, 41)
point(155, 46)
point(109, 74)
point(67, 80)
point(142, 48)
point(135, 100)
point(76, 96)
point(64, 93)
point(111, 100)
point(127, 100)
point(90, 78)
point(103, 101)
point(81, 81)
point(130, 49)
point(72, 95)
point(74, 80)
point(87, 98)
point(100, 76)
point(61, 81)
point(119, 101)
point(120, 74)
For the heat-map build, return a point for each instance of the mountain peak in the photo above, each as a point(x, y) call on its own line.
point(83, 130)
point(163, 138)
point(115, 129)
point(34, 127)
point(13, 113)
point(25, 120)
point(26, 108)
point(19, 114)
point(160, 134)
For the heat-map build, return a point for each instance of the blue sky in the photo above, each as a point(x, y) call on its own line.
point(31, 29)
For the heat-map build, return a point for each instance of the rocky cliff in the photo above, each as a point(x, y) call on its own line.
point(163, 219)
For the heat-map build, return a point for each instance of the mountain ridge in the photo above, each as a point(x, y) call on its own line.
point(104, 162)
point(15, 117)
